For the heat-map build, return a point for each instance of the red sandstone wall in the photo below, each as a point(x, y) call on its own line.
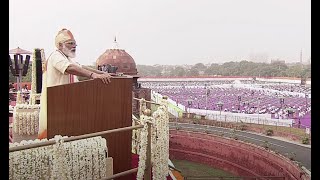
point(234, 156)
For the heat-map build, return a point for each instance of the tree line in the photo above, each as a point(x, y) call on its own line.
point(243, 68)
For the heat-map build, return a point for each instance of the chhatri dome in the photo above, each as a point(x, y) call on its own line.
point(120, 58)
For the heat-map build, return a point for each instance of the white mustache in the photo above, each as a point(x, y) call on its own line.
point(70, 53)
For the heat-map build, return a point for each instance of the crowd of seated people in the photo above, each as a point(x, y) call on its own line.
point(237, 100)
point(185, 83)
point(288, 87)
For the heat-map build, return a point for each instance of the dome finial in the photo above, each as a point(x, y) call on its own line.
point(115, 43)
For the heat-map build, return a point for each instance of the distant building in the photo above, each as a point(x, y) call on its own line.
point(126, 65)
point(119, 58)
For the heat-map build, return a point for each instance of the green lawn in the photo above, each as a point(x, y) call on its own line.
point(193, 169)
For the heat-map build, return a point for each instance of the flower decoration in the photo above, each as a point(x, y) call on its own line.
point(80, 159)
point(159, 141)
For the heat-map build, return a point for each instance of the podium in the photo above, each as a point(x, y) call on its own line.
point(92, 106)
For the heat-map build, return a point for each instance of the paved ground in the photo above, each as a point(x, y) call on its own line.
point(300, 152)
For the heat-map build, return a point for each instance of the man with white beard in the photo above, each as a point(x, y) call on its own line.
point(61, 69)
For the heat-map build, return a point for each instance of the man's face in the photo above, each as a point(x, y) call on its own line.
point(69, 48)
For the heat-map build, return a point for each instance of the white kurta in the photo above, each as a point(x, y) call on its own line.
point(54, 74)
point(57, 64)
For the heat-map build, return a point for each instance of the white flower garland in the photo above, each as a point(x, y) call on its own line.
point(27, 106)
point(159, 142)
point(143, 106)
point(68, 159)
point(75, 160)
point(19, 99)
point(32, 123)
point(20, 122)
point(136, 132)
point(81, 159)
point(59, 168)
point(135, 138)
point(36, 121)
point(95, 159)
point(143, 146)
point(28, 123)
point(15, 123)
point(45, 158)
point(33, 98)
point(25, 123)
point(102, 161)
point(38, 160)
point(13, 162)
point(33, 74)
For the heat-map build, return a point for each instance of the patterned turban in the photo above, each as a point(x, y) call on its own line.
point(63, 36)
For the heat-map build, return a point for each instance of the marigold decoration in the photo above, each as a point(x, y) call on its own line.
point(81, 159)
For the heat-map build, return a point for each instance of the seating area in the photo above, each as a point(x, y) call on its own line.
point(281, 101)
point(270, 99)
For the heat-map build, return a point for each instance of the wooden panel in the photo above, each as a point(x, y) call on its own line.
point(91, 106)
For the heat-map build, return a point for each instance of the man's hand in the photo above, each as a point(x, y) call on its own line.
point(105, 77)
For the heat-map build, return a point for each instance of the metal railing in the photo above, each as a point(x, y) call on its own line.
point(147, 173)
point(147, 101)
point(73, 138)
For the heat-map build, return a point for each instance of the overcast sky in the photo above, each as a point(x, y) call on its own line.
point(168, 31)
